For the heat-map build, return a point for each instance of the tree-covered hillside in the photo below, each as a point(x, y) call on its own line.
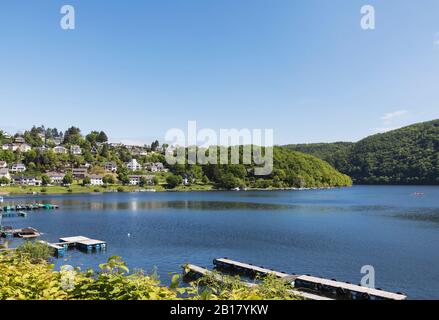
point(290, 170)
point(409, 155)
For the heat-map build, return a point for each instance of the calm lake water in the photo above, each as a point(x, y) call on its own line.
point(328, 233)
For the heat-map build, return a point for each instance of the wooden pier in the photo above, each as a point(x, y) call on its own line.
point(13, 214)
point(28, 207)
point(25, 233)
point(247, 268)
point(344, 290)
point(305, 283)
point(193, 271)
point(83, 243)
point(79, 242)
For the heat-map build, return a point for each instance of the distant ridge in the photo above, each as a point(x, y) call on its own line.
point(409, 155)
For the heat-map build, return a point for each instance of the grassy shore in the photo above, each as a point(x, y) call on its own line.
point(77, 188)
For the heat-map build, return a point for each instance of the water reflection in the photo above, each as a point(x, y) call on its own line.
point(182, 205)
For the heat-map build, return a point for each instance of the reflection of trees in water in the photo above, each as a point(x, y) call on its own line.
point(420, 214)
point(193, 205)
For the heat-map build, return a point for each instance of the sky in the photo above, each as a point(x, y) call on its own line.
point(135, 69)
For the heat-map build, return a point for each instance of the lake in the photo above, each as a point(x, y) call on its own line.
point(328, 233)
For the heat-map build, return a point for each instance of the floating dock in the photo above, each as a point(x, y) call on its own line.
point(83, 243)
point(247, 268)
point(12, 214)
point(314, 285)
point(79, 242)
point(36, 206)
point(59, 249)
point(196, 272)
point(344, 290)
point(25, 233)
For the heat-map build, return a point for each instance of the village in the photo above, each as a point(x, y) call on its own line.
point(90, 162)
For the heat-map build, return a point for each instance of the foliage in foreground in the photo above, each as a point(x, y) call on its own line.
point(25, 276)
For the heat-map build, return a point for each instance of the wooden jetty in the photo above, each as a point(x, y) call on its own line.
point(35, 206)
point(79, 242)
point(344, 290)
point(83, 243)
point(331, 288)
point(196, 272)
point(58, 249)
point(247, 268)
point(25, 233)
point(12, 214)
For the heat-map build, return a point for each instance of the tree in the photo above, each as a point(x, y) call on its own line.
point(205, 180)
point(4, 181)
point(68, 178)
point(108, 179)
point(86, 181)
point(72, 136)
point(155, 181)
point(229, 181)
point(104, 151)
point(155, 145)
point(143, 181)
point(45, 180)
point(173, 181)
point(102, 137)
point(92, 137)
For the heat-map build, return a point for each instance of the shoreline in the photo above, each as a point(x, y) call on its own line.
point(36, 191)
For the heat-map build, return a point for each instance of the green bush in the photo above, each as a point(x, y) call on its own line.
point(35, 251)
point(24, 278)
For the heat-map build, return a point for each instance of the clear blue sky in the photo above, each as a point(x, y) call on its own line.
point(138, 68)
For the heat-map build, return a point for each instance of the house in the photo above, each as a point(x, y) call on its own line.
point(60, 150)
point(19, 140)
point(57, 141)
point(24, 147)
point(9, 146)
point(79, 173)
point(116, 144)
point(3, 164)
point(42, 149)
point(96, 180)
point(4, 173)
point(26, 181)
point(110, 166)
point(76, 150)
point(135, 179)
point(56, 177)
point(138, 152)
point(155, 167)
point(134, 165)
point(18, 167)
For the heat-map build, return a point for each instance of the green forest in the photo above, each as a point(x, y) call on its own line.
point(409, 155)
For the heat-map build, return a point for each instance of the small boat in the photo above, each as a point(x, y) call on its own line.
point(22, 213)
point(29, 233)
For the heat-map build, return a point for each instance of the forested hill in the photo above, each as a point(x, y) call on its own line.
point(409, 155)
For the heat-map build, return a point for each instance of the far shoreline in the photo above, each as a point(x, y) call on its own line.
point(36, 191)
